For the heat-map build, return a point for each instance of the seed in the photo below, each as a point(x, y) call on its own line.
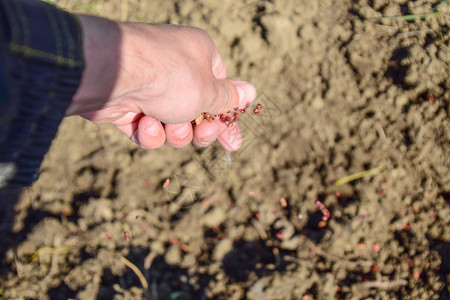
point(376, 247)
point(166, 183)
point(199, 119)
point(322, 224)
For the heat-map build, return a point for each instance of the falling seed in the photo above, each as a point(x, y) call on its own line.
point(338, 194)
point(299, 216)
point(361, 246)
point(376, 247)
point(127, 236)
point(166, 183)
point(322, 224)
point(383, 192)
point(374, 268)
point(283, 202)
point(108, 234)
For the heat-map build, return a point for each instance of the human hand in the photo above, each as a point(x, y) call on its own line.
point(151, 81)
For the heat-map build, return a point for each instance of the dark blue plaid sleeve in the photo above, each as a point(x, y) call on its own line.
point(41, 64)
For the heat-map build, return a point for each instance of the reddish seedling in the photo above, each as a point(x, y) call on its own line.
point(166, 183)
point(325, 212)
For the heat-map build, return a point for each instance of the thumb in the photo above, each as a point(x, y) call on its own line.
point(231, 94)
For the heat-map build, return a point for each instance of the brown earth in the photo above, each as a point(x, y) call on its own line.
point(342, 90)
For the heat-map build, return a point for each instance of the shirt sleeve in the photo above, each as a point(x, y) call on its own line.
point(41, 64)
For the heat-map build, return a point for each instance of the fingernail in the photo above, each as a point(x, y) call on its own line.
point(208, 139)
point(247, 93)
point(241, 94)
point(153, 128)
point(181, 131)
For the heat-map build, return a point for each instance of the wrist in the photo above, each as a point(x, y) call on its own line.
point(101, 43)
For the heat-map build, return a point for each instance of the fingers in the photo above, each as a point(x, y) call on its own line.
point(149, 133)
point(229, 95)
point(208, 132)
point(178, 135)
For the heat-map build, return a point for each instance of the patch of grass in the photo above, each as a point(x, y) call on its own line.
point(435, 13)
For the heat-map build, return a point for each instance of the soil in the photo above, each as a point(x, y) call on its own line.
point(343, 91)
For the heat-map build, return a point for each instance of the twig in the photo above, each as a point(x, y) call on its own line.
point(334, 258)
point(123, 10)
point(299, 261)
point(227, 158)
point(380, 131)
point(49, 250)
point(386, 285)
point(359, 175)
point(136, 271)
point(259, 228)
